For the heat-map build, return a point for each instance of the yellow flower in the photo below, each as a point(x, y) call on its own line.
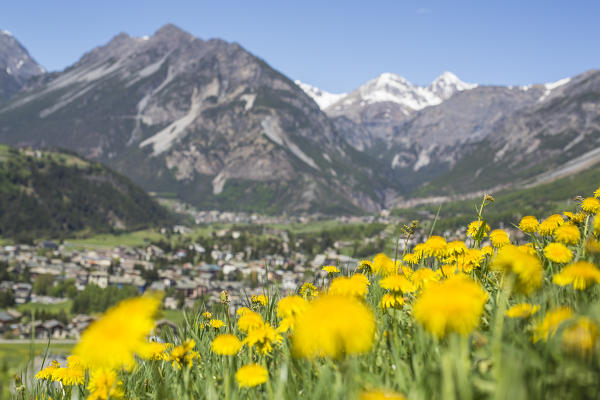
point(357, 285)
point(263, 338)
point(499, 238)
point(251, 375)
point(111, 341)
point(551, 322)
point(567, 234)
point(434, 246)
point(526, 267)
point(411, 258)
point(529, 224)
point(580, 338)
point(597, 193)
point(575, 218)
point(291, 306)
point(590, 205)
point(184, 354)
point(454, 305)
point(47, 373)
point(73, 374)
point(597, 224)
point(226, 345)
point(523, 310)
point(241, 311)
point(391, 300)
point(216, 323)
point(381, 395)
point(331, 269)
point(332, 326)
point(527, 249)
point(207, 315)
point(383, 265)
point(456, 248)
point(593, 246)
point(424, 276)
point(418, 250)
point(154, 351)
point(365, 266)
point(104, 384)
point(474, 228)
point(260, 299)
point(549, 225)
point(397, 284)
point(581, 275)
point(249, 320)
point(308, 290)
point(558, 253)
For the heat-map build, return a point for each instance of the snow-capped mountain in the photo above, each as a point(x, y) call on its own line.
point(321, 97)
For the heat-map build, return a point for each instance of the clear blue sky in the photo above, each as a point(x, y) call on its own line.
point(338, 45)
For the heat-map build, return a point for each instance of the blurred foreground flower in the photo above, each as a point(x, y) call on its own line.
point(581, 275)
point(251, 375)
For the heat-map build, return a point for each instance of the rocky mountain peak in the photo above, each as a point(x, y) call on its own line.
point(15, 59)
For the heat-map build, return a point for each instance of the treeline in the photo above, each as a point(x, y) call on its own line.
point(94, 299)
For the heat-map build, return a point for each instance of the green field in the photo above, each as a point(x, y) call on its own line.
point(53, 308)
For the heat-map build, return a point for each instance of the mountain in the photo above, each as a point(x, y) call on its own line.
point(16, 66)
point(52, 193)
point(321, 97)
point(205, 120)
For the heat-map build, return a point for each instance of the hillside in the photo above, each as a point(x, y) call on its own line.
point(51, 194)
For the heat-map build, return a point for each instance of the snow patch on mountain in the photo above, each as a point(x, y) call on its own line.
point(551, 86)
point(322, 98)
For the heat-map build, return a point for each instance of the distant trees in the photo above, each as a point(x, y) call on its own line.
point(94, 299)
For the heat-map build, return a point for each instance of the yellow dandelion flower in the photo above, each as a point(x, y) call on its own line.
point(331, 269)
point(548, 326)
point(529, 224)
point(558, 253)
point(154, 351)
point(261, 299)
point(122, 332)
point(251, 375)
point(475, 226)
point(456, 248)
point(527, 249)
point(486, 250)
point(590, 205)
point(381, 395)
point(597, 224)
point(365, 266)
point(577, 218)
point(549, 225)
point(454, 305)
point(593, 246)
point(581, 275)
point(184, 354)
point(580, 338)
point(522, 310)
point(499, 238)
point(48, 372)
point(434, 246)
point(332, 326)
point(250, 320)
point(216, 323)
point(418, 250)
point(104, 384)
point(308, 290)
point(424, 276)
point(263, 338)
point(526, 268)
point(597, 193)
point(567, 234)
point(391, 300)
point(241, 311)
point(72, 374)
point(383, 265)
point(291, 306)
point(357, 285)
point(471, 260)
point(226, 345)
point(398, 284)
point(411, 258)
point(207, 315)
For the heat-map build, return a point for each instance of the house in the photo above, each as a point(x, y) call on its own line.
point(6, 320)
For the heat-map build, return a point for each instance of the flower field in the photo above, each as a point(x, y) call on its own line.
point(488, 317)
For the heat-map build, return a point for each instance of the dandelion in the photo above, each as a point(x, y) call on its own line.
point(333, 326)
point(241, 311)
point(397, 284)
point(549, 225)
point(226, 345)
point(558, 253)
point(456, 248)
point(251, 375)
point(567, 234)
point(250, 320)
point(548, 326)
point(529, 224)
point(424, 276)
point(308, 290)
point(47, 373)
point(499, 238)
point(475, 226)
point(357, 285)
point(288, 310)
point(263, 338)
point(111, 341)
point(383, 265)
point(331, 269)
point(434, 246)
point(581, 337)
point(527, 249)
point(597, 224)
point(391, 300)
point(411, 258)
point(522, 310)
point(207, 315)
point(591, 205)
point(72, 374)
point(154, 351)
point(526, 267)
point(597, 193)
point(261, 299)
point(455, 305)
point(381, 395)
point(365, 266)
point(577, 218)
point(184, 354)
point(216, 323)
point(104, 384)
point(581, 275)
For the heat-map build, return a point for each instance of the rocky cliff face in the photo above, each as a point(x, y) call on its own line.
point(16, 66)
